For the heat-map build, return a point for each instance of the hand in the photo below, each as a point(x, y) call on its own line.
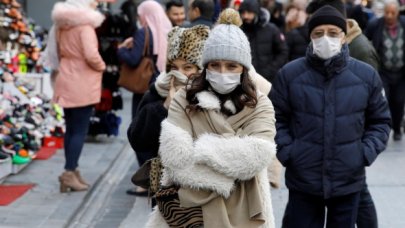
point(128, 43)
point(172, 92)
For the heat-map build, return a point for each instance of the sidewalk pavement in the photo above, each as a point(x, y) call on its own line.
point(44, 206)
point(385, 179)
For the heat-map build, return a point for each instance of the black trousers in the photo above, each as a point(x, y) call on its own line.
point(395, 93)
point(309, 211)
point(367, 214)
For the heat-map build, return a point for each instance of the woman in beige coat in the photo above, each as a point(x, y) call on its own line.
point(78, 83)
point(217, 142)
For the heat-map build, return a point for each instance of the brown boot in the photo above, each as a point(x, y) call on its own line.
point(69, 181)
point(80, 178)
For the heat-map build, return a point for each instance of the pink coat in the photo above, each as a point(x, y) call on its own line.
point(79, 79)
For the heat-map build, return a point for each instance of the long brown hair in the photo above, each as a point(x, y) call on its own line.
point(243, 95)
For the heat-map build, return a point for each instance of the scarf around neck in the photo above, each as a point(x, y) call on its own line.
point(328, 67)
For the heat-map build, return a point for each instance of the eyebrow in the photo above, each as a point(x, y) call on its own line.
point(331, 29)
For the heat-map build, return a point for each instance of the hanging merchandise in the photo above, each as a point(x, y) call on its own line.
point(111, 33)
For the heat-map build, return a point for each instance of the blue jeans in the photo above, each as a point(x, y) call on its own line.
point(77, 125)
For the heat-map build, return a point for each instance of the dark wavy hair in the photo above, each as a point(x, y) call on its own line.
point(243, 95)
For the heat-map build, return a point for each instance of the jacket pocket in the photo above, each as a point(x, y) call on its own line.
point(357, 161)
point(284, 154)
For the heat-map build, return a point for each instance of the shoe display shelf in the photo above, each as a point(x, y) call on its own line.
point(17, 164)
point(5, 168)
point(17, 168)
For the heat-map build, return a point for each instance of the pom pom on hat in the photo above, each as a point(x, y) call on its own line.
point(227, 41)
point(230, 17)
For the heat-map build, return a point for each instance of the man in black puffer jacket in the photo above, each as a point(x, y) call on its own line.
point(332, 121)
point(268, 45)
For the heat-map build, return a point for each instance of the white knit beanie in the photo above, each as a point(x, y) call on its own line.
point(227, 41)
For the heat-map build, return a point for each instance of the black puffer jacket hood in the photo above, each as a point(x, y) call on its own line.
point(251, 6)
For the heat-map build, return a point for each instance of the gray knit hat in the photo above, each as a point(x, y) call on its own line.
point(227, 41)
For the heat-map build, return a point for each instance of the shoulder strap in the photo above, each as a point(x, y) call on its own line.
point(146, 43)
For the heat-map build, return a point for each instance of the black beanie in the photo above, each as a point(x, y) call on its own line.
point(327, 15)
point(251, 6)
point(314, 5)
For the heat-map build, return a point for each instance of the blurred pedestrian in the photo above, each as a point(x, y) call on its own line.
point(176, 12)
point(128, 10)
point(78, 83)
point(388, 36)
point(332, 120)
point(217, 142)
point(268, 45)
point(295, 17)
point(184, 52)
point(296, 31)
point(153, 18)
point(276, 10)
point(201, 12)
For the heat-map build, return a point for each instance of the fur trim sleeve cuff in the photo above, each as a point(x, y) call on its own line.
point(236, 157)
point(202, 177)
point(177, 146)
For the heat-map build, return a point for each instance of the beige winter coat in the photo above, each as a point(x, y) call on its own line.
point(220, 162)
point(275, 167)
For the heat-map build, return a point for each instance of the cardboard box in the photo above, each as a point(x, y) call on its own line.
point(52, 141)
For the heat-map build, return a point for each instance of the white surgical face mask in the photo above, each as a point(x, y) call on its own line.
point(223, 83)
point(326, 47)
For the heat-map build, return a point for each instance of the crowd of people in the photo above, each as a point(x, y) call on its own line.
point(234, 95)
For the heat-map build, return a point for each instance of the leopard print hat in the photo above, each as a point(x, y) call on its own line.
point(187, 44)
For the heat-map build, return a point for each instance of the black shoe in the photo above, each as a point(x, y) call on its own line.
point(397, 136)
point(134, 192)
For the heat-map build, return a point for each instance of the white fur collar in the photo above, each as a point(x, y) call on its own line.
point(208, 100)
point(65, 16)
point(230, 106)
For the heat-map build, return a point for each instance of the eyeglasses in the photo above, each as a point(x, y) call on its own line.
point(320, 33)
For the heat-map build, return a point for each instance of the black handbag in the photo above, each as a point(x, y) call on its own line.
point(148, 175)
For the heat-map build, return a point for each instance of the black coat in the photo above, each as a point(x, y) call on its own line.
point(269, 48)
point(200, 21)
point(144, 131)
point(332, 120)
point(297, 40)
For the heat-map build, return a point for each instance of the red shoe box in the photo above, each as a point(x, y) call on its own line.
point(52, 141)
